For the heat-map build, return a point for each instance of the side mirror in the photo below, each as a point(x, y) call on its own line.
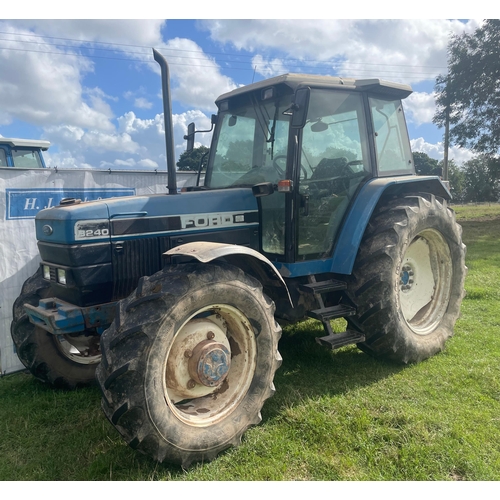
point(192, 130)
point(190, 137)
point(301, 103)
point(262, 189)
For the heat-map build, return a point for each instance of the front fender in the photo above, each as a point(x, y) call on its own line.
point(239, 256)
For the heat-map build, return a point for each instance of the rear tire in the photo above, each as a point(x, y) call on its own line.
point(52, 359)
point(189, 361)
point(408, 279)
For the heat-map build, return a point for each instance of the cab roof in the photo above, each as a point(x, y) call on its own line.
point(26, 143)
point(295, 80)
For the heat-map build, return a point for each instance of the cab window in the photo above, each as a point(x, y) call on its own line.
point(391, 138)
point(26, 158)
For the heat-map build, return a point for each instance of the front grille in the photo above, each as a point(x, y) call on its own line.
point(133, 259)
point(53, 274)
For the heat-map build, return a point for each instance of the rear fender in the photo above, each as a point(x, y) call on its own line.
point(370, 194)
point(247, 259)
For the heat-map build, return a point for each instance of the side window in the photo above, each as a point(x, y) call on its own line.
point(3, 159)
point(391, 137)
point(26, 158)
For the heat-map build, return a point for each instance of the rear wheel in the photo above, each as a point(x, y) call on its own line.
point(64, 361)
point(408, 279)
point(189, 361)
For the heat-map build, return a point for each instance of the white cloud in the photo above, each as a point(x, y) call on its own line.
point(409, 50)
point(436, 151)
point(420, 107)
point(147, 164)
point(128, 32)
point(268, 68)
point(142, 103)
point(45, 89)
point(198, 78)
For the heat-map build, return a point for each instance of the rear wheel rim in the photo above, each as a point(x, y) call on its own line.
point(424, 283)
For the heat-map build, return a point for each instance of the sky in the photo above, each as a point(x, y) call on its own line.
point(91, 87)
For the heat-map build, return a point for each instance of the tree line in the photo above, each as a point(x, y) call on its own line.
point(477, 180)
point(468, 104)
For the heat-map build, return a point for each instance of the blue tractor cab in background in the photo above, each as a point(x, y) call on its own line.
point(22, 153)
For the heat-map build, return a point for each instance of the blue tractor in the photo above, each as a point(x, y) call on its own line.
point(310, 207)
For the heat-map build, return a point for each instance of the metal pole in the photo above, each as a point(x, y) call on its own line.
point(446, 131)
point(167, 117)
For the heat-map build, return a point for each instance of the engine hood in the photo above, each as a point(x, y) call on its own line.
point(133, 216)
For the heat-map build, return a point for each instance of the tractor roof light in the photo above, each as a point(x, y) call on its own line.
point(268, 93)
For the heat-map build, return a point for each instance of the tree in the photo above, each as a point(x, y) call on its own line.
point(481, 179)
point(471, 90)
point(190, 160)
point(425, 165)
point(456, 177)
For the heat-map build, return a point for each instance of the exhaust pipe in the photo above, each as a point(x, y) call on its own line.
point(167, 117)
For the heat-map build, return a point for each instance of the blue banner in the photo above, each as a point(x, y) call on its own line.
point(26, 203)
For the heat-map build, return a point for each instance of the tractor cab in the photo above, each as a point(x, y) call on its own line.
point(306, 144)
point(22, 153)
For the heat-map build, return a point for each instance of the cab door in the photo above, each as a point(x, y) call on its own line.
point(334, 160)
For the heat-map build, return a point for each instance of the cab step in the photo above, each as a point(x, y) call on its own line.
point(324, 286)
point(328, 313)
point(338, 340)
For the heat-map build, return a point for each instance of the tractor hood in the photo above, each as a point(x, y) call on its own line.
point(76, 222)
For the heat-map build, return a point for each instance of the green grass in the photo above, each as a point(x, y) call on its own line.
point(335, 416)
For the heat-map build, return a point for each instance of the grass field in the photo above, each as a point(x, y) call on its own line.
point(335, 416)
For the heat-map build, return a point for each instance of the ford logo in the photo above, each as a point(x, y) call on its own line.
point(47, 230)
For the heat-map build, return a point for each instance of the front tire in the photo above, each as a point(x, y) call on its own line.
point(189, 361)
point(408, 279)
point(63, 361)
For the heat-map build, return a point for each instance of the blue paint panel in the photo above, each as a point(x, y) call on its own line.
point(194, 202)
point(26, 203)
point(62, 219)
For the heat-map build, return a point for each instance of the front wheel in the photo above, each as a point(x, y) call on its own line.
point(189, 361)
point(408, 279)
point(63, 361)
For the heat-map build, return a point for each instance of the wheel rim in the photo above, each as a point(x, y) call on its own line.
point(425, 281)
point(82, 349)
point(210, 365)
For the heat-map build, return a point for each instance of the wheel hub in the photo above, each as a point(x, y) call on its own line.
point(406, 278)
point(199, 360)
point(209, 363)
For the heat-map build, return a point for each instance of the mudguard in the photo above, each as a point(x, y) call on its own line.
point(205, 251)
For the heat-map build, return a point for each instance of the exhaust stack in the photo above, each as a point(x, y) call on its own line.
point(167, 116)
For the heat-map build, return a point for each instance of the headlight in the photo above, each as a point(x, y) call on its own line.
point(46, 272)
point(61, 276)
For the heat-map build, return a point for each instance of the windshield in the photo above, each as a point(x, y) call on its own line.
point(251, 144)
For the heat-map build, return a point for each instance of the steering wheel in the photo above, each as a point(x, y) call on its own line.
point(354, 162)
